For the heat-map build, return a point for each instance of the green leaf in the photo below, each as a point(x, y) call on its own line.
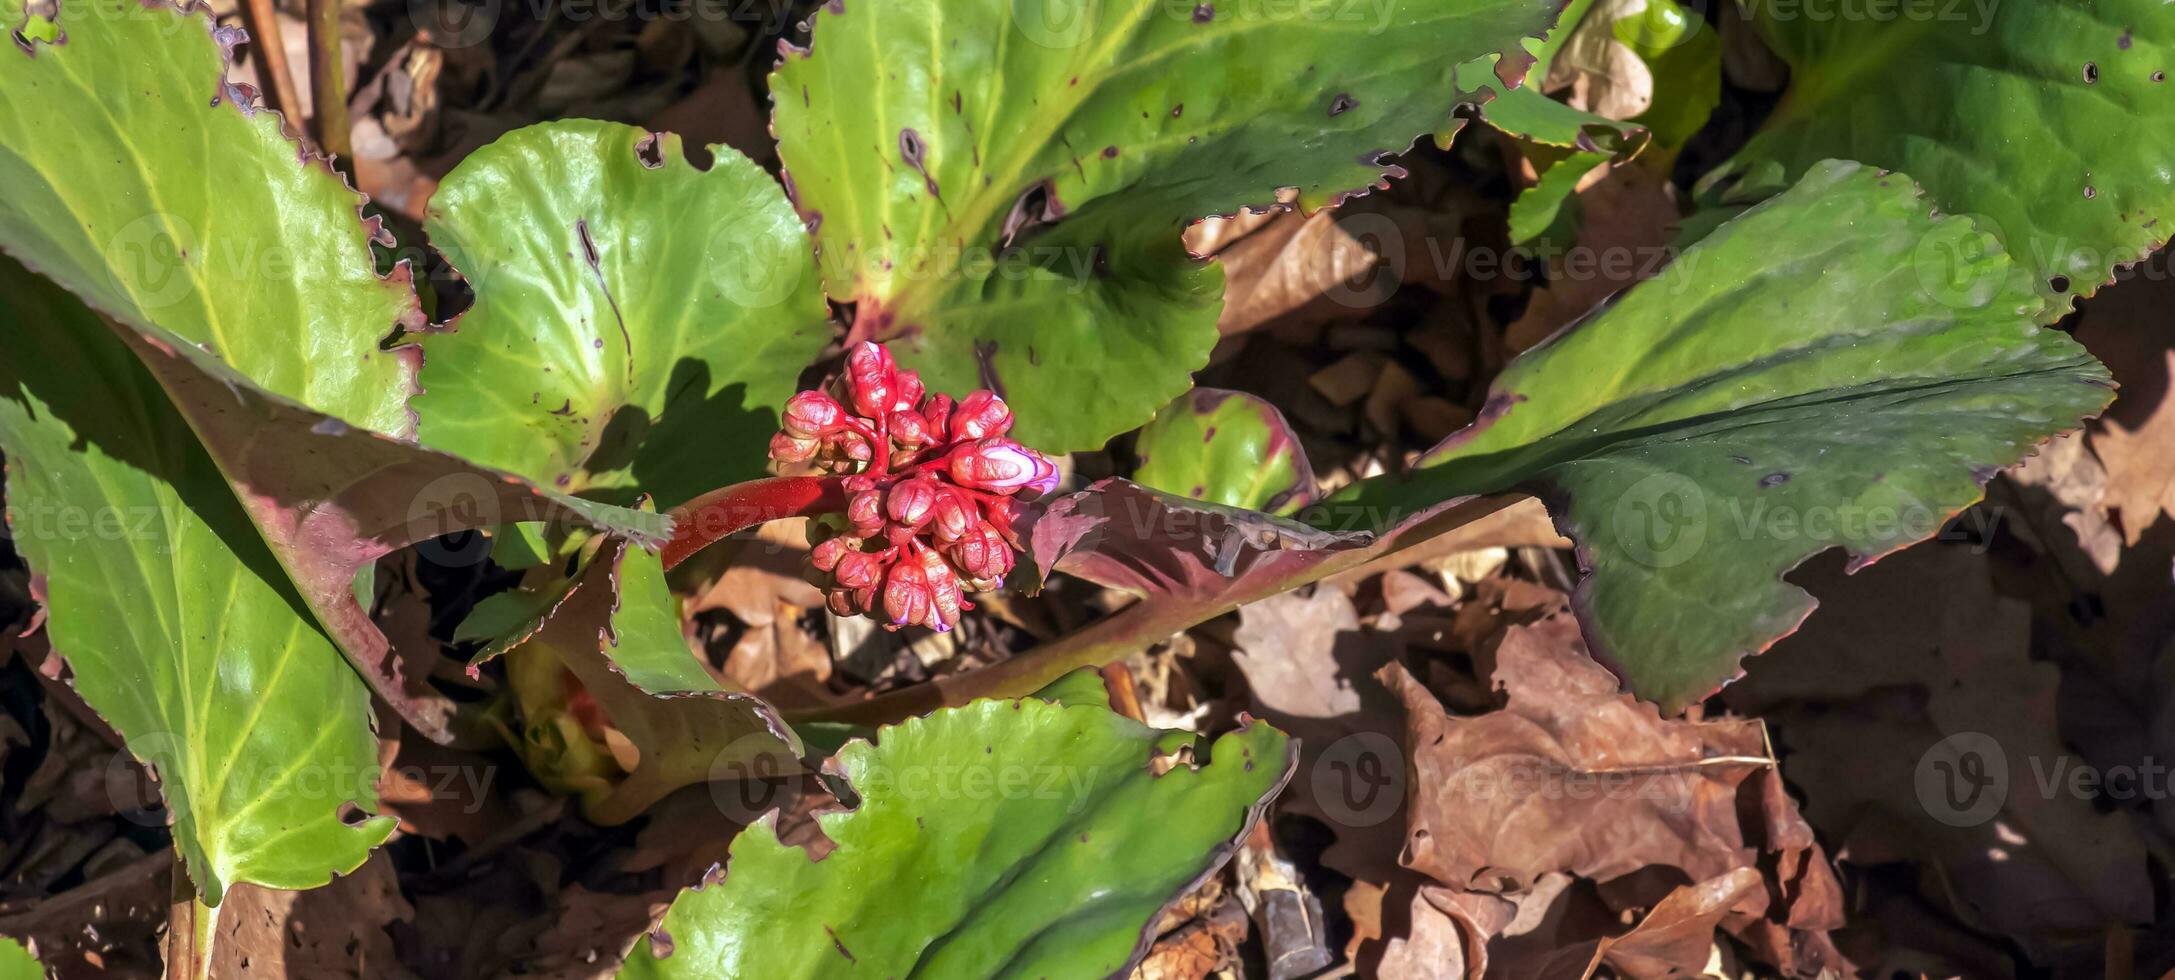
point(16, 963)
point(176, 622)
point(1005, 838)
point(1794, 382)
point(638, 322)
point(1225, 447)
point(1684, 54)
point(137, 182)
point(1529, 115)
point(1549, 209)
point(212, 243)
point(1083, 686)
point(933, 143)
point(2048, 123)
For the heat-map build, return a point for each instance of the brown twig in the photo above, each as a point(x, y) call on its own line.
point(328, 86)
point(269, 51)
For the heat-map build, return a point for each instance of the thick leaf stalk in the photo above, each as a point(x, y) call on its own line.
point(701, 522)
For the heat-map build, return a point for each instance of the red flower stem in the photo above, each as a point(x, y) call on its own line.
point(700, 522)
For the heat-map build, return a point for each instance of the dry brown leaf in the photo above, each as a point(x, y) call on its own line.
point(1425, 941)
point(1919, 728)
point(1604, 75)
point(1570, 776)
point(1629, 220)
point(1287, 264)
point(1677, 937)
point(761, 570)
point(2063, 488)
point(1310, 669)
point(2126, 327)
point(335, 931)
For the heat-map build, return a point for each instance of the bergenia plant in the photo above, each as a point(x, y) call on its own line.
point(931, 490)
point(196, 328)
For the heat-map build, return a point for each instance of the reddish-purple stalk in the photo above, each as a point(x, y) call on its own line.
point(700, 522)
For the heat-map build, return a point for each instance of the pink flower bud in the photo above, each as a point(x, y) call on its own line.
point(909, 429)
point(906, 594)
point(872, 380)
point(825, 556)
point(859, 570)
point(1002, 466)
point(851, 445)
point(945, 600)
point(840, 602)
point(938, 410)
point(811, 414)
point(906, 391)
point(912, 500)
point(951, 518)
point(980, 416)
point(786, 449)
point(866, 512)
point(982, 554)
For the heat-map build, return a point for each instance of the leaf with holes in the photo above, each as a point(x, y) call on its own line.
point(1549, 127)
point(1225, 447)
point(1002, 189)
point(176, 622)
point(1035, 839)
point(2049, 123)
point(628, 307)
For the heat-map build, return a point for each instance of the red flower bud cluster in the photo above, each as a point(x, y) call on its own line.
point(931, 485)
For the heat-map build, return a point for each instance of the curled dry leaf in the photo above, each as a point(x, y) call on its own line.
point(1570, 776)
point(1308, 268)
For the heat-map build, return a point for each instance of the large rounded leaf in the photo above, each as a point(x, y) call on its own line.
point(928, 139)
point(237, 269)
point(175, 621)
point(637, 321)
point(135, 179)
point(1793, 383)
point(1005, 838)
point(2049, 122)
